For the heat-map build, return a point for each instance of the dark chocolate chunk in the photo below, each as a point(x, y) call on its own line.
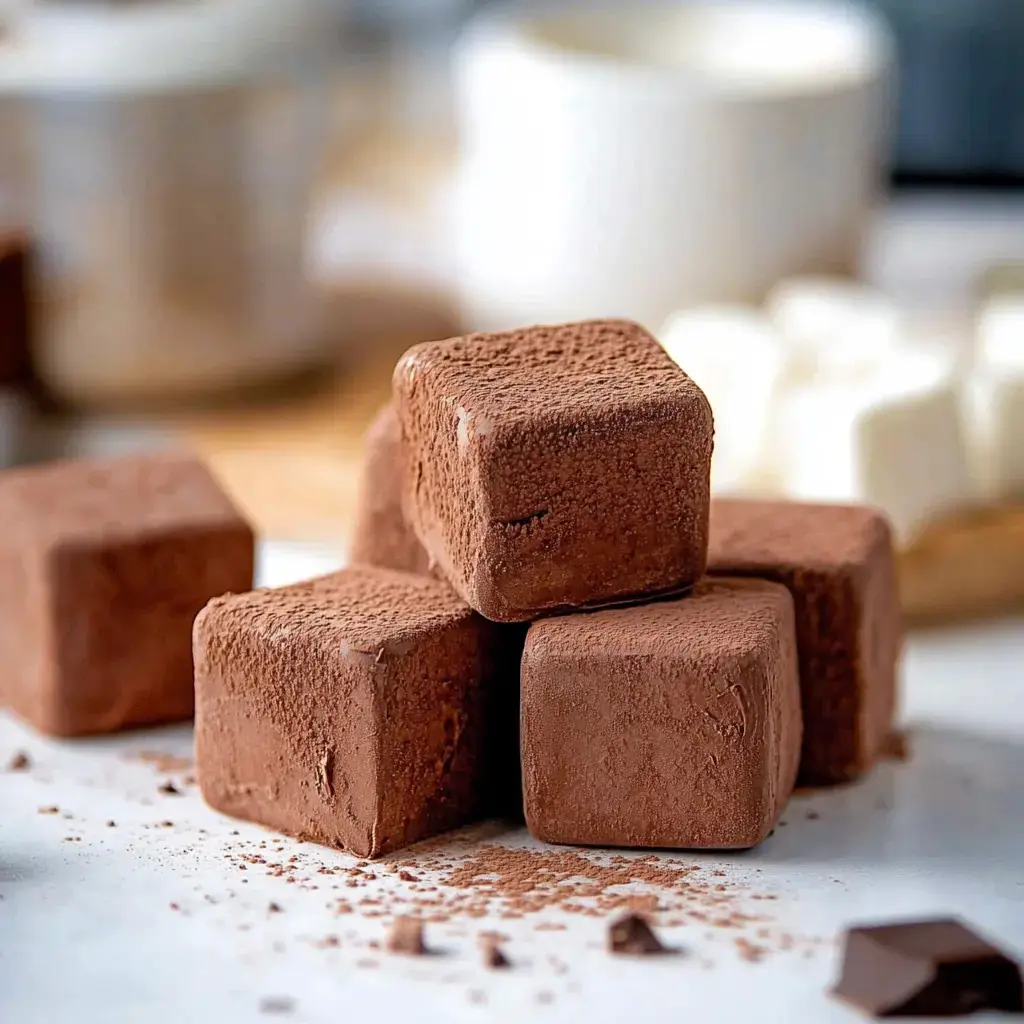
point(380, 535)
point(406, 936)
point(555, 468)
point(104, 565)
point(936, 968)
point(631, 935)
point(674, 724)
point(838, 563)
point(355, 709)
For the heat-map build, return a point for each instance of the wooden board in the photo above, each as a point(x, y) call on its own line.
point(966, 568)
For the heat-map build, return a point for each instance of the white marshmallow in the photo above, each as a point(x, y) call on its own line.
point(834, 326)
point(737, 358)
point(994, 406)
point(892, 438)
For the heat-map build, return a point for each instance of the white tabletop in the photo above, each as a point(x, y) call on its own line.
point(88, 933)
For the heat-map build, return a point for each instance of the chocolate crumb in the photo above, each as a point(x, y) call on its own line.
point(631, 935)
point(407, 937)
point(20, 762)
point(169, 789)
point(407, 876)
point(493, 956)
point(174, 906)
point(167, 824)
point(281, 1005)
point(813, 815)
point(49, 810)
point(749, 951)
point(111, 823)
point(329, 942)
point(896, 746)
point(274, 908)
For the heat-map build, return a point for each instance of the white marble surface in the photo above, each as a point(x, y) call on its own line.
point(87, 933)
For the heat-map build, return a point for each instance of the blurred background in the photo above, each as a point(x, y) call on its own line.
point(225, 219)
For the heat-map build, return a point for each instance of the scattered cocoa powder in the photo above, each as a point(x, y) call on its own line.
point(166, 764)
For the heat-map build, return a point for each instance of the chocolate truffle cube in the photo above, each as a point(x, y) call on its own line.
point(381, 536)
point(104, 565)
point(838, 563)
point(675, 724)
point(555, 468)
point(356, 709)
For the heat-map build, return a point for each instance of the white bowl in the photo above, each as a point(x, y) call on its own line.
point(631, 164)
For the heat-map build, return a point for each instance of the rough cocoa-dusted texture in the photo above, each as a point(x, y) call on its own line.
point(838, 563)
point(354, 709)
point(381, 536)
point(104, 565)
point(674, 724)
point(555, 468)
point(15, 310)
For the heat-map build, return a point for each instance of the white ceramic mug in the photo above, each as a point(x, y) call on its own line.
point(632, 163)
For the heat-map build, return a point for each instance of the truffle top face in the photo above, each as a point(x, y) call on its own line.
point(361, 611)
point(549, 374)
point(748, 535)
point(106, 500)
point(720, 619)
point(942, 941)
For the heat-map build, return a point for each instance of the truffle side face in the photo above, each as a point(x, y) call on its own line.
point(101, 638)
point(556, 467)
point(284, 731)
point(380, 535)
point(348, 709)
point(670, 725)
point(28, 680)
point(122, 624)
point(838, 562)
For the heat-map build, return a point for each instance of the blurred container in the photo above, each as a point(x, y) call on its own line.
point(961, 88)
point(633, 163)
point(398, 55)
point(169, 151)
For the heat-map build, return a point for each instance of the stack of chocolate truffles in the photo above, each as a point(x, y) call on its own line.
point(546, 612)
